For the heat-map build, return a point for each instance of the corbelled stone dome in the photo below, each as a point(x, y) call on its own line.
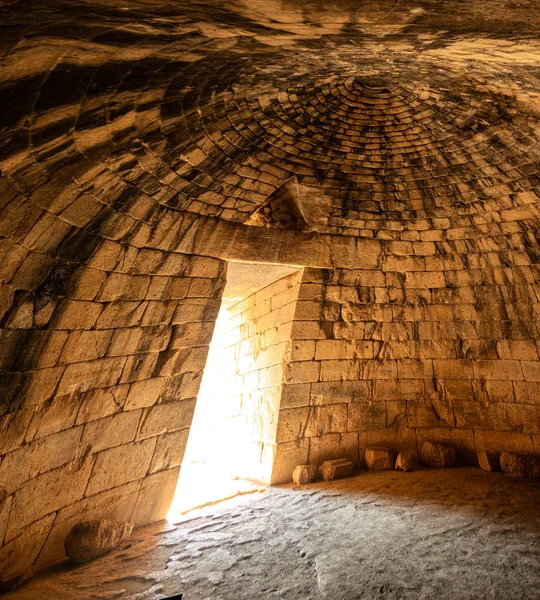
point(347, 189)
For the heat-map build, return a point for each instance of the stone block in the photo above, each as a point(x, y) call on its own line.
point(114, 430)
point(144, 393)
point(303, 474)
point(295, 395)
point(521, 465)
point(86, 284)
point(202, 266)
point(10, 344)
point(337, 468)
point(32, 272)
point(531, 370)
point(495, 441)
point(41, 349)
point(179, 288)
point(302, 350)
point(378, 369)
point(201, 287)
point(438, 455)
point(488, 461)
point(379, 458)
point(5, 507)
point(120, 465)
point(163, 418)
point(139, 340)
point(292, 423)
point(46, 494)
point(85, 346)
point(75, 314)
point(306, 330)
point(18, 555)
point(406, 460)
point(462, 440)
point(527, 392)
point(334, 349)
point(158, 313)
point(334, 445)
point(326, 419)
point(158, 288)
point(51, 417)
point(121, 314)
point(81, 377)
point(338, 370)
point(302, 372)
point(505, 370)
point(396, 414)
point(517, 350)
point(286, 456)
point(155, 497)
point(453, 369)
point(38, 457)
point(90, 539)
point(38, 386)
point(13, 428)
point(184, 360)
point(139, 367)
point(477, 415)
point(336, 392)
point(123, 286)
point(115, 504)
point(366, 417)
point(169, 452)
point(524, 418)
point(191, 334)
point(434, 411)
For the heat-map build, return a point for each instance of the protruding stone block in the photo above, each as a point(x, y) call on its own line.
point(521, 465)
point(91, 539)
point(438, 455)
point(335, 469)
point(406, 460)
point(303, 474)
point(488, 461)
point(379, 458)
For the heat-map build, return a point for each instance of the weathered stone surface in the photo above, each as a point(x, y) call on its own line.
point(334, 523)
point(45, 494)
point(5, 506)
point(113, 505)
point(488, 461)
point(91, 539)
point(155, 497)
point(379, 458)
point(335, 469)
point(38, 457)
point(303, 474)
point(18, 555)
point(521, 465)
point(437, 455)
point(134, 159)
point(119, 465)
point(406, 460)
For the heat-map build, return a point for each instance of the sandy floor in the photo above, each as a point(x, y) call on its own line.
point(458, 533)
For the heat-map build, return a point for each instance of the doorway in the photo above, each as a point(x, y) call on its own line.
point(231, 443)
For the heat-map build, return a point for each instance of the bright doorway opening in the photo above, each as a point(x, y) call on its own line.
point(231, 441)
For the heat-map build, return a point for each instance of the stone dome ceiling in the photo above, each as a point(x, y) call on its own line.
point(384, 118)
point(400, 147)
point(387, 152)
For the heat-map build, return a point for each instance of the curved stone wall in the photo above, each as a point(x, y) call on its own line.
point(142, 145)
